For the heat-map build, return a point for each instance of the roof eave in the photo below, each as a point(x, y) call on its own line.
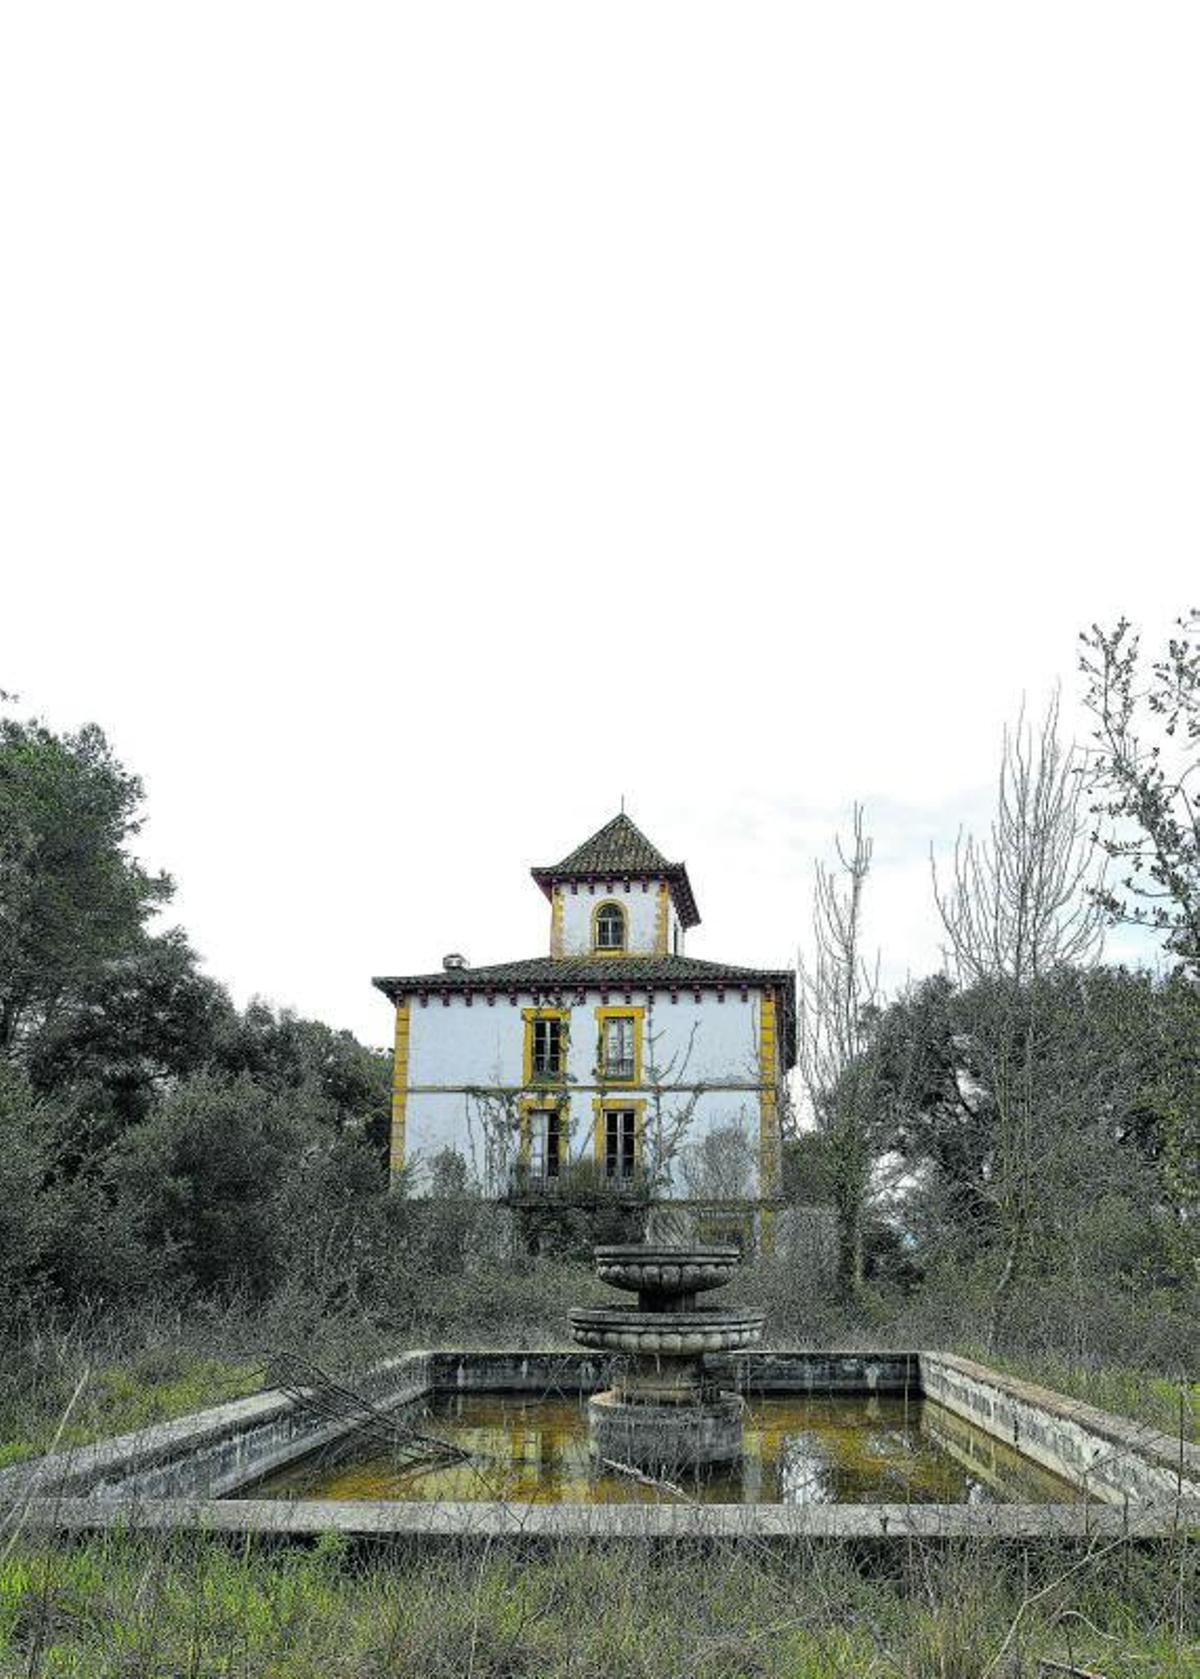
point(675, 874)
point(396, 987)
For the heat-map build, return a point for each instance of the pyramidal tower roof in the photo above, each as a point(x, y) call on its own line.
point(619, 845)
point(621, 851)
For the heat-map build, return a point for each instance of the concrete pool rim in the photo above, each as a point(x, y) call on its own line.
point(186, 1474)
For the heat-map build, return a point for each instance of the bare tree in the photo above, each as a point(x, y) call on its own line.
point(496, 1114)
point(671, 1111)
point(837, 1002)
point(1020, 907)
point(499, 1115)
point(1018, 903)
point(720, 1165)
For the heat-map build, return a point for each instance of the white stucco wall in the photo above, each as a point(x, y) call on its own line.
point(639, 900)
point(465, 1069)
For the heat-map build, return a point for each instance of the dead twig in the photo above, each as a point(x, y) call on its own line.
point(330, 1402)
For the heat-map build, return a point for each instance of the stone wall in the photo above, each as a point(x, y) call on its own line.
point(1113, 1457)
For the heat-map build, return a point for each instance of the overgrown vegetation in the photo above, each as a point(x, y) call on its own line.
point(113, 1607)
point(1010, 1149)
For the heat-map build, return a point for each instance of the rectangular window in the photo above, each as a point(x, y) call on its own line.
point(547, 1048)
point(547, 1040)
point(619, 1044)
point(545, 1143)
point(620, 1144)
point(618, 1047)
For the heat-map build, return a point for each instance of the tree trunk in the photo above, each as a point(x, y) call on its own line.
point(1005, 1284)
point(849, 1244)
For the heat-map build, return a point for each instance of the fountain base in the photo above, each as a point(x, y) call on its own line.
point(666, 1437)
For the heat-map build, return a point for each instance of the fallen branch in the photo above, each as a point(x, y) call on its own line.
point(332, 1403)
point(628, 1470)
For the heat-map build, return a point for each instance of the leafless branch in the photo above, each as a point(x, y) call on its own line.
point(1018, 903)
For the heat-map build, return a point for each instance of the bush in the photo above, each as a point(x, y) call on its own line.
point(207, 1181)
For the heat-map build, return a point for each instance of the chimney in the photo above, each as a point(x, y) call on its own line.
point(453, 961)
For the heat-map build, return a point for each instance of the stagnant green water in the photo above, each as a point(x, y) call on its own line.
point(844, 1449)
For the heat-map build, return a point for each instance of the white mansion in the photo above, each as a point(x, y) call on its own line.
point(615, 1060)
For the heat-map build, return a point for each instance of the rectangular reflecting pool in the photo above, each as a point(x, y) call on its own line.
point(799, 1449)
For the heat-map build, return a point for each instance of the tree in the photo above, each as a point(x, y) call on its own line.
point(26, 1156)
point(207, 1182)
point(1168, 1112)
point(930, 1089)
point(1143, 783)
point(719, 1166)
point(1017, 911)
point(1080, 1177)
point(838, 1004)
point(73, 899)
point(144, 1021)
point(282, 1051)
point(1018, 904)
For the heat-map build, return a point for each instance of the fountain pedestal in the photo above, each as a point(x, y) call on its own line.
point(664, 1409)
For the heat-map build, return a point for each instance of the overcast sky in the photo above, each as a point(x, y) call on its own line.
point(422, 425)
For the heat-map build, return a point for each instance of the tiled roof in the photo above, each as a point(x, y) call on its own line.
point(553, 973)
point(621, 850)
point(620, 846)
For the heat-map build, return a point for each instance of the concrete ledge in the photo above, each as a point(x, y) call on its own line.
point(758, 1371)
point(208, 1453)
point(564, 1373)
point(458, 1522)
point(1111, 1457)
point(823, 1371)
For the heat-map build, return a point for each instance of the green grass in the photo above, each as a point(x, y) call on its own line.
point(153, 1386)
point(119, 1606)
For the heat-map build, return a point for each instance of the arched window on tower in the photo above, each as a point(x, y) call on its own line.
point(610, 927)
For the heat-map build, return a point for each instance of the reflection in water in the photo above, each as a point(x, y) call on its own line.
point(800, 1449)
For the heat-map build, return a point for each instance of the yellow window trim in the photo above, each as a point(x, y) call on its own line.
point(662, 917)
point(602, 1105)
point(768, 1112)
point(607, 950)
point(400, 1088)
point(526, 1108)
point(556, 922)
point(528, 1076)
point(638, 1016)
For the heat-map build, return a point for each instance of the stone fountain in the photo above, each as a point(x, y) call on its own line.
point(665, 1409)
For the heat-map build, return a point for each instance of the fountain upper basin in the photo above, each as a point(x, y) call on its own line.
point(664, 1270)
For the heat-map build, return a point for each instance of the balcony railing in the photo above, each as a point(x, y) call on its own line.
point(581, 1181)
point(619, 1069)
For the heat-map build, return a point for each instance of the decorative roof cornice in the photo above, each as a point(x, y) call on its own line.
point(545, 975)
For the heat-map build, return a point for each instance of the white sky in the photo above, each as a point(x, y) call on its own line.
point(422, 424)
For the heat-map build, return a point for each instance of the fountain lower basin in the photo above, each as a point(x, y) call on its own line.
point(799, 1451)
point(624, 1329)
point(215, 1470)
